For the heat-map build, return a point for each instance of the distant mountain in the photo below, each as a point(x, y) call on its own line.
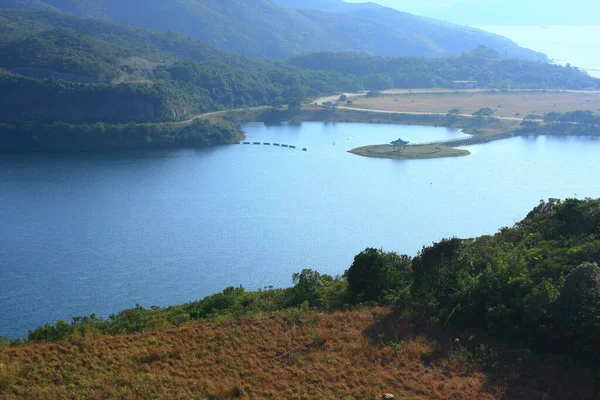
point(506, 12)
point(94, 49)
point(28, 5)
point(327, 5)
point(267, 30)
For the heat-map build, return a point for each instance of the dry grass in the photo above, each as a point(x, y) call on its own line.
point(345, 355)
point(509, 104)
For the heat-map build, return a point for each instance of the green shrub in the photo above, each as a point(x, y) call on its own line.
point(577, 311)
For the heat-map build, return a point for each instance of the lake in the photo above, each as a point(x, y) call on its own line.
point(574, 44)
point(97, 233)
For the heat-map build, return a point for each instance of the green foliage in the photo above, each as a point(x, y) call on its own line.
point(577, 311)
point(513, 284)
point(484, 113)
point(378, 73)
point(48, 100)
point(64, 137)
point(65, 51)
point(320, 291)
point(17, 25)
point(375, 273)
point(570, 123)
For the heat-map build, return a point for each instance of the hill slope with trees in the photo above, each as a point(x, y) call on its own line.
point(517, 311)
point(76, 71)
point(264, 29)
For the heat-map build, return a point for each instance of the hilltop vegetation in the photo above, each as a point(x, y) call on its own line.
point(66, 51)
point(17, 25)
point(482, 65)
point(264, 29)
point(535, 284)
point(467, 309)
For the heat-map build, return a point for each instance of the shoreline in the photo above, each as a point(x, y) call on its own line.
point(480, 131)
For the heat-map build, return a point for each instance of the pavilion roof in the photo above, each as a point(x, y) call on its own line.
point(399, 142)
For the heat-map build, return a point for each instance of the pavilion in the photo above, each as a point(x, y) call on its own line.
point(399, 145)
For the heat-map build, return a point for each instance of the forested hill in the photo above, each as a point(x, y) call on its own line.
point(264, 29)
point(482, 65)
point(56, 68)
point(16, 25)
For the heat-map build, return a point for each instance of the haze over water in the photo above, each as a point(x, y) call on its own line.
point(578, 45)
point(97, 233)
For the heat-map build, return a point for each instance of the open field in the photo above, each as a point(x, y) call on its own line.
point(294, 355)
point(504, 104)
point(412, 152)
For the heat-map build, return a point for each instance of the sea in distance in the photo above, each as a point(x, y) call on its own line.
point(577, 45)
point(100, 232)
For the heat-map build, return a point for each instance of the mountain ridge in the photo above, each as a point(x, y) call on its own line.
point(276, 30)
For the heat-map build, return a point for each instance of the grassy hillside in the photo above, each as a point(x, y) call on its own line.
point(264, 29)
point(513, 315)
point(298, 355)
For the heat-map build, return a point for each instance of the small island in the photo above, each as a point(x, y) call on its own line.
point(411, 152)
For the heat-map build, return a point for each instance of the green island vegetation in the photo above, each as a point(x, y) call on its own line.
point(474, 308)
point(59, 70)
point(411, 152)
point(576, 123)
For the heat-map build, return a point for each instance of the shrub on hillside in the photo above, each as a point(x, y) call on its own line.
point(577, 311)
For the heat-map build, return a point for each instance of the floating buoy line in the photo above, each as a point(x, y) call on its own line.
point(289, 146)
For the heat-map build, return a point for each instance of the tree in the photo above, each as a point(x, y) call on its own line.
point(484, 113)
point(577, 310)
point(343, 97)
point(295, 106)
point(436, 270)
point(453, 114)
point(318, 290)
point(278, 102)
point(374, 273)
point(530, 123)
point(307, 285)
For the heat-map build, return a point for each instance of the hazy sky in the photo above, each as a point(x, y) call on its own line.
point(502, 12)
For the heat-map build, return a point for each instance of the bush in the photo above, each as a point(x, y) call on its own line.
point(375, 273)
point(577, 311)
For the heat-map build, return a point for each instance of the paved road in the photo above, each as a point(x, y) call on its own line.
point(218, 113)
point(418, 113)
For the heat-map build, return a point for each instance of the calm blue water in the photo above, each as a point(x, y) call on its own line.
point(100, 232)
